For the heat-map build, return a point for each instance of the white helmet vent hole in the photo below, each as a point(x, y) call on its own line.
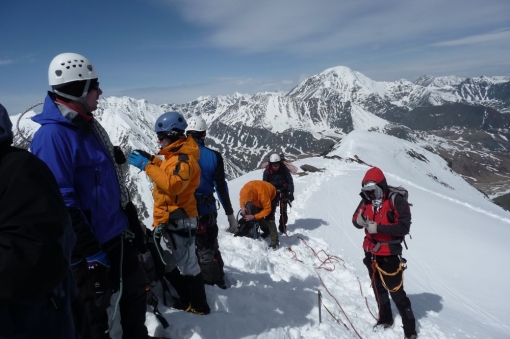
point(58, 73)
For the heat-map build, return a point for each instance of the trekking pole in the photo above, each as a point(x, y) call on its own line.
point(319, 300)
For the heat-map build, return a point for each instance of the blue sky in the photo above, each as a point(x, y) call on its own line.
point(172, 51)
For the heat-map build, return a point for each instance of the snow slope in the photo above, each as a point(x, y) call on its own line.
point(455, 277)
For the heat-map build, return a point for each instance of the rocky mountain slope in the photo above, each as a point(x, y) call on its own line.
point(463, 120)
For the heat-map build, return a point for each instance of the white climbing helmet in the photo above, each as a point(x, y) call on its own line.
point(69, 67)
point(197, 123)
point(274, 158)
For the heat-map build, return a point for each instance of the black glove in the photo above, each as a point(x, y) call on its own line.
point(119, 156)
point(143, 153)
point(291, 197)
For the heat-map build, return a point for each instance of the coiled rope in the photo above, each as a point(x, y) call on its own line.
point(19, 119)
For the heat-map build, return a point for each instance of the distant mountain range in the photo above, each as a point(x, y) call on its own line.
point(464, 120)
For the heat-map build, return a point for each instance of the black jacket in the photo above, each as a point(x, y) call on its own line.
point(33, 217)
point(281, 178)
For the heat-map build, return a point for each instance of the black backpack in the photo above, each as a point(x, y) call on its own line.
point(248, 229)
point(155, 270)
point(405, 194)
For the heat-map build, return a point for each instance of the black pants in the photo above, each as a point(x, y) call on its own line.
point(95, 289)
point(282, 220)
point(390, 264)
point(48, 317)
point(208, 252)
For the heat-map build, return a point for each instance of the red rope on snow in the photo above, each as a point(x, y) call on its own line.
point(329, 260)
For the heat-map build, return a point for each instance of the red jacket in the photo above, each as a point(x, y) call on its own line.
point(393, 220)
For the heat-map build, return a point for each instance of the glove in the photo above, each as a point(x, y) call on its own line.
point(291, 197)
point(232, 221)
point(98, 259)
point(361, 221)
point(118, 155)
point(139, 158)
point(372, 227)
point(144, 154)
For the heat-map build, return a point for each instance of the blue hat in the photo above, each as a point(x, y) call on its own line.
point(5, 127)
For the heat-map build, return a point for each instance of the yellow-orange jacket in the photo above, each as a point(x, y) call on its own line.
point(259, 193)
point(175, 181)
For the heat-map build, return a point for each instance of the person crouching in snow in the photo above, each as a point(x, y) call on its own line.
point(258, 203)
point(385, 222)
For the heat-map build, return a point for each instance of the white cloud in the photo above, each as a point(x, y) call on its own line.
point(328, 25)
point(477, 39)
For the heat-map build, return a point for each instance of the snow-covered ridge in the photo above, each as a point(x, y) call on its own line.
point(274, 294)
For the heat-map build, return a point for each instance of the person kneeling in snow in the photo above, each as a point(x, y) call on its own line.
point(258, 203)
point(383, 247)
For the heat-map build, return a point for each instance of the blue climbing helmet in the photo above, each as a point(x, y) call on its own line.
point(171, 121)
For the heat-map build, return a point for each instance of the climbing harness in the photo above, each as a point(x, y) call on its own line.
point(401, 267)
point(189, 234)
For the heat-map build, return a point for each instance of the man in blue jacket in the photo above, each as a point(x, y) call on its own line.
point(81, 156)
point(212, 178)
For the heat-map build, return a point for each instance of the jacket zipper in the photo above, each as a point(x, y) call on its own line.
point(97, 189)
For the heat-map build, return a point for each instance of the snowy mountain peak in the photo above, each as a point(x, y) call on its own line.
point(430, 81)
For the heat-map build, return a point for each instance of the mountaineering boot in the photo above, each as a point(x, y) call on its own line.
point(384, 324)
point(408, 320)
point(179, 305)
point(274, 235)
point(274, 245)
point(412, 336)
point(198, 298)
point(281, 229)
point(385, 314)
point(179, 283)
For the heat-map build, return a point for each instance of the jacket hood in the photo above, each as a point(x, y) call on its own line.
point(375, 174)
point(182, 146)
point(50, 113)
point(6, 135)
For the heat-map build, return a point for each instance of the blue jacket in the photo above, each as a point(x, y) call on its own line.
point(84, 170)
point(212, 179)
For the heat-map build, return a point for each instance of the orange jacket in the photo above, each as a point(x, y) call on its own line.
point(175, 181)
point(259, 193)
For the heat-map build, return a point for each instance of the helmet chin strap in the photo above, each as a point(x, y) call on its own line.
point(82, 99)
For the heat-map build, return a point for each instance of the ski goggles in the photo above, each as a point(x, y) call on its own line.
point(167, 135)
point(372, 191)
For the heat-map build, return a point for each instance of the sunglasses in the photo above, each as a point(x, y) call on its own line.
point(162, 135)
point(167, 135)
point(94, 85)
point(275, 165)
